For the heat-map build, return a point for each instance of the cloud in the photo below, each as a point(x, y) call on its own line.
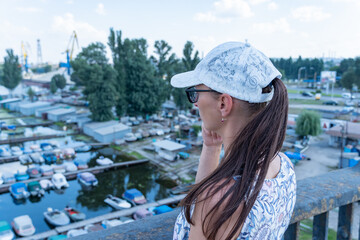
point(28, 9)
point(272, 6)
point(256, 2)
point(310, 14)
point(100, 9)
point(224, 11)
point(280, 25)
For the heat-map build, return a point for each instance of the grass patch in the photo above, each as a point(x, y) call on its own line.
point(83, 138)
point(60, 124)
point(306, 231)
point(295, 110)
point(306, 101)
point(329, 95)
point(137, 155)
point(116, 147)
point(293, 91)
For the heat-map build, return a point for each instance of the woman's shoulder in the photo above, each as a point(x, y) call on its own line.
point(283, 156)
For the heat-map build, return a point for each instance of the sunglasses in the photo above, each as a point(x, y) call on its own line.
point(193, 94)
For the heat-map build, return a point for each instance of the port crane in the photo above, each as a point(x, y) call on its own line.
point(69, 51)
point(25, 48)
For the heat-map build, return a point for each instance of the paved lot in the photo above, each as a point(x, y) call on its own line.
point(324, 159)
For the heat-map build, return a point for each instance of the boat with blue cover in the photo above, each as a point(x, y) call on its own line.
point(134, 196)
point(19, 190)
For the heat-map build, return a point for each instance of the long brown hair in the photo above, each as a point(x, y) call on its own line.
point(249, 156)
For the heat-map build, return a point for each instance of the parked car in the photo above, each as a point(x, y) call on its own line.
point(23, 226)
point(307, 94)
point(331, 102)
point(347, 109)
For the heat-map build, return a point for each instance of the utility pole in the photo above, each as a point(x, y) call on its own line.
point(39, 54)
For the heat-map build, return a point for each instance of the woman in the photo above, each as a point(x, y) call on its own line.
point(243, 104)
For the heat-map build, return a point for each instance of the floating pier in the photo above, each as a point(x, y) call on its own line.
point(72, 175)
point(108, 216)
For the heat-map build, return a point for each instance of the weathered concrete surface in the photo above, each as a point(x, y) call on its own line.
point(314, 196)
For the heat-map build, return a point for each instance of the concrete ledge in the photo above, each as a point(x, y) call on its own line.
point(314, 196)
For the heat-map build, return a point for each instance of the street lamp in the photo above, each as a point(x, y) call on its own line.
point(299, 73)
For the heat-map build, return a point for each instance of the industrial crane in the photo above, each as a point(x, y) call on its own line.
point(69, 51)
point(25, 47)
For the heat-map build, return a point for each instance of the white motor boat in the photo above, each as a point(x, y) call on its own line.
point(56, 217)
point(103, 161)
point(117, 203)
point(23, 226)
point(70, 167)
point(46, 184)
point(59, 181)
point(16, 151)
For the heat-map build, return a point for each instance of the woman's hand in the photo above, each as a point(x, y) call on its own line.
point(211, 139)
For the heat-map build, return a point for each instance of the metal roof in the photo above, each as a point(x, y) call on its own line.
point(169, 145)
point(112, 129)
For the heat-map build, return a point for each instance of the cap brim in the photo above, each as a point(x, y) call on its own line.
point(186, 79)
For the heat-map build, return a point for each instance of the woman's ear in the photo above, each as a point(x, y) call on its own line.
point(226, 104)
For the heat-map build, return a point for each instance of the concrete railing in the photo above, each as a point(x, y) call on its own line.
point(316, 196)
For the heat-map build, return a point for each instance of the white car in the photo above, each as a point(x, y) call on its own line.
point(23, 226)
point(16, 151)
point(59, 181)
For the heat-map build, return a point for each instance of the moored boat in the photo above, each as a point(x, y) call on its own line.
point(5, 231)
point(103, 161)
point(34, 172)
point(19, 190)
point(134, 196)
point(23, 226)
point(56, 217)
point(59, 181)
point(88, 179)
point(21, 176)
point(46, 184)
point(35, 189)
point(74, 214)
point(117, 203)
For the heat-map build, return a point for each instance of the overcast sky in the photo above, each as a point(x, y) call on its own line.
point(310, 28)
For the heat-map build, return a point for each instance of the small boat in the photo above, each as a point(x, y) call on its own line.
point(184, 155)
point(117, 203)
point(134, 196)
point(141, 213)
point(103, 161)
point(81, 164)
point(37, 158)
point(25, 160)
point(76, 232)
point(130, 137)
point(59, 181)
point(46, 146)
point(19, 190)
point(126, 220)
point(46, 170)
point(110, 223)
point(35, 148)
point(57, 237)
point(93, 227)
point(181, 189)
point(23, 226)
point(68, 153)
point(5, 231)
point(59, 168)
point(35, 189)
point(74, 214)
point(34, 172)
point(49, 157)
point(56, 217)
point(21, 176)
point(84, 148)
point(70, 167)
point(46, 184)
point(87, 178)
point(5, 152)
point(1, 179)
point(16, 151)
point(160, 209)
point(8, 177)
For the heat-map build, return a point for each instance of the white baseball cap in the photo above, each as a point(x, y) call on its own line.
point(235, 68)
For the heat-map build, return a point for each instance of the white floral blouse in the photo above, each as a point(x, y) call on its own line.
point(271, 213)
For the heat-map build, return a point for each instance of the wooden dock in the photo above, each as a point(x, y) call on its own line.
point(72, 175)
point(34, 138)
point(108, 216)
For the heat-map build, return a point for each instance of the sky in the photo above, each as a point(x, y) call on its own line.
point(284, 28)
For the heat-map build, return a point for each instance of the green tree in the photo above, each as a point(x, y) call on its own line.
point(12, 70)
point(59, 80)
point(119, 54)
point(189, 62)
point(308, 123)
point(53, 87)
point(31, 94)
point(102, 94)
point(349, 79)
point(144, 89)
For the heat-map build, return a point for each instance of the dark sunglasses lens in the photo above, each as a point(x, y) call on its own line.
point(193, 97)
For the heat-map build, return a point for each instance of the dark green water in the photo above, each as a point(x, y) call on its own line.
point(91, 202)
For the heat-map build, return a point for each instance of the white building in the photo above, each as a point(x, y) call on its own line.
point(168, 149)
point(106, 132)
point(30, 108)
